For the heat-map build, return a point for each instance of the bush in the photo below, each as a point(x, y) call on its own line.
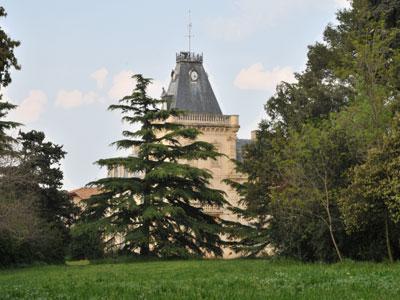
point(46, 248)
point(86, 242)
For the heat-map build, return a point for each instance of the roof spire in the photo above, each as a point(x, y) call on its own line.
point(190, 32)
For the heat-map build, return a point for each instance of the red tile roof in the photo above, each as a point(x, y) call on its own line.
point(84, 193)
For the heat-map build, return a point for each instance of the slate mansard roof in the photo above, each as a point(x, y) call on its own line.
point(191, 92)
point(194, 94)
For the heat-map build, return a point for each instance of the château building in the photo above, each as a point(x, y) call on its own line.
point(190, 90)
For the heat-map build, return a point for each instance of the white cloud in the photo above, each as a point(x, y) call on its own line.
point(31, 108)
point(75, 98)
point(90, 97)
point(123, 84)
point(257, 78)
point(100, 77)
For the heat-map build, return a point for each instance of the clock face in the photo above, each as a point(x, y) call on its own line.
point(194, 76)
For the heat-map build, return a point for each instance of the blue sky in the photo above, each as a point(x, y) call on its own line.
point(77, 56)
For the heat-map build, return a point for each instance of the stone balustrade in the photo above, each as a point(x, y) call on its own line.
point(207, 119)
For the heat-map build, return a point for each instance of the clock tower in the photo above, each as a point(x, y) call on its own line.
point(191, 91)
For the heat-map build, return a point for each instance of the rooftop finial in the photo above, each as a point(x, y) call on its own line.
point(190, 32)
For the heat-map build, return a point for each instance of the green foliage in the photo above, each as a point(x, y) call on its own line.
point(7, 57)
point(40, 242)
point(86, 242)
point(35, 214)
point(373, 196)
point(41, 160)
point(6, 141)
point(314, 167)
point(318, 131)
point(253, 235)
point(159, 211)
point(7, 61)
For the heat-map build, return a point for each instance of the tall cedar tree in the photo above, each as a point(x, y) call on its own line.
point(158, 213)
point(7, 61)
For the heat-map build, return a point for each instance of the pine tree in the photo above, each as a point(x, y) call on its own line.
point(41, 160)
point(7, 61)
point(160, 212)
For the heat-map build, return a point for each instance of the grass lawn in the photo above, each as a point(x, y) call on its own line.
point(207, 279)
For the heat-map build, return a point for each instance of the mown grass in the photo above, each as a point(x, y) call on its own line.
point(203, 279)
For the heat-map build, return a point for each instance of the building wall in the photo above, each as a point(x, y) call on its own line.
point(221, 131)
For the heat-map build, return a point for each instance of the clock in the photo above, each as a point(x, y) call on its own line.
point(193, 75)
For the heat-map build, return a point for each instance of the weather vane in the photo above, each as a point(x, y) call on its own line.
point(190, 32)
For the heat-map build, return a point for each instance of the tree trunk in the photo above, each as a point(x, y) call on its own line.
point(335, 244)
point(330, 226)
point(145, 247)
point(388, 246)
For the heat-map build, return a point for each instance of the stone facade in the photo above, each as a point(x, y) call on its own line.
point(221, 131)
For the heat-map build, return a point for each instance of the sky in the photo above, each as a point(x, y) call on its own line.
point(77, 58)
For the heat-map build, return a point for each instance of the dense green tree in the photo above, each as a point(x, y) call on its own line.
point(314, 166)
point(86, 242)
point(253, 234)
point(7, 57)
point(32, 183)
point(6, 141)
point(41, 160)
point(373, 196)
point(322, 89)
point(159, 212)
point(376, 67)
point(338, 109)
